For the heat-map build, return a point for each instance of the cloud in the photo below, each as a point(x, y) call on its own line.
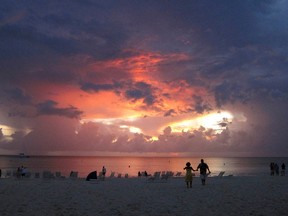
point(91, 87)
point(141, 90)
point(228, 92)
point(18, 95)
point(200, 106)
point(170, 112)
point(131, 91)
point(70, 135)
point(168, 62)
point(49, 108)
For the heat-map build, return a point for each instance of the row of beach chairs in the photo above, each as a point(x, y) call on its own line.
point(44, 174)
point(56, 175)
point(113, 175)
point(164, 175)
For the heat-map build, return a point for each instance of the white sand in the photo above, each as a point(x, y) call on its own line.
point(221, 196)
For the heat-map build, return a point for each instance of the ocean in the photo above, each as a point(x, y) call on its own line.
point(237, 166)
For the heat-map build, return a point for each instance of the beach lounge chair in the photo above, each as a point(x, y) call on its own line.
point(159, 177)
point(14, 173)
point(47, 175)
point(8, 173)
point(37, 175)
point(73, 175)
point(28, 174)
point(178, 174)
point(156, 176)
point(112, 175)
point(58, 175)
point(101, 176)
point(165, 176)
point(221, 174)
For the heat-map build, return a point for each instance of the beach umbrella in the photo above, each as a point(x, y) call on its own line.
point(92, 175)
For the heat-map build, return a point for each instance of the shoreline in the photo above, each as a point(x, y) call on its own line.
point(132, 166)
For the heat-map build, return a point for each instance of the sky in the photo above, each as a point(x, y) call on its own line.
point(148, 78)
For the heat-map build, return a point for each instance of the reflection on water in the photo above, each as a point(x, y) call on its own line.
point(131, 165)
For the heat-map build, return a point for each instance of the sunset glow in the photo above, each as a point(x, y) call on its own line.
point(216, 121)
point(148, 78)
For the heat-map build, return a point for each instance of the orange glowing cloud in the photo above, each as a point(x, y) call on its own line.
point(142, 65)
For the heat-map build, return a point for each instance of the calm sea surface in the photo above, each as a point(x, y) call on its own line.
point(131, 165)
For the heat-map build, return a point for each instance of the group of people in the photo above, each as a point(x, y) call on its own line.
point(275, 169)
point(21, 172)
point(204, 168)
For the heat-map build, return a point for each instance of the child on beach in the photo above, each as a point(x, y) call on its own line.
point(188, 177)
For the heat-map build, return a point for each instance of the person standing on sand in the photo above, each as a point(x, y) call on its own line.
point(103, 171)
point(276, 167)
point(203, 171)
point(283, 169)
point(272, 169)
point(188, 177)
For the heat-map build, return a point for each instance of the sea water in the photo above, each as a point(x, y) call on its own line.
point(237, 166)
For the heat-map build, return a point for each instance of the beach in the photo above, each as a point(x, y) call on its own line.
point(234, 195)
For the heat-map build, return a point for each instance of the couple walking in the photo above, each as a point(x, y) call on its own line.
point(203, 173)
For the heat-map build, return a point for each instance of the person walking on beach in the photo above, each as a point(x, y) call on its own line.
point(272, 169)
point(188, 177)
point(203, 171)
point(283, 169)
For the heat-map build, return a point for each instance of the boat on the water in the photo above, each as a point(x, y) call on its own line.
point(22, 155)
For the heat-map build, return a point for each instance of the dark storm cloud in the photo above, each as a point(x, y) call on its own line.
point(170, 113)
point(214, 26)
point(18, 95)
point(141, 91)
point(228, 92)
point(39, 37)
point(132, 91)
point(49, 108)
point(91, 87)
point(235, 50)
point(200, 105)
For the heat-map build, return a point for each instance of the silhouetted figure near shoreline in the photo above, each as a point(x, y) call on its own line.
point(188, 177)
point(203, 171)
point(103, 172)
point(283, 169)
point(272, 169)
point(276, 168)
